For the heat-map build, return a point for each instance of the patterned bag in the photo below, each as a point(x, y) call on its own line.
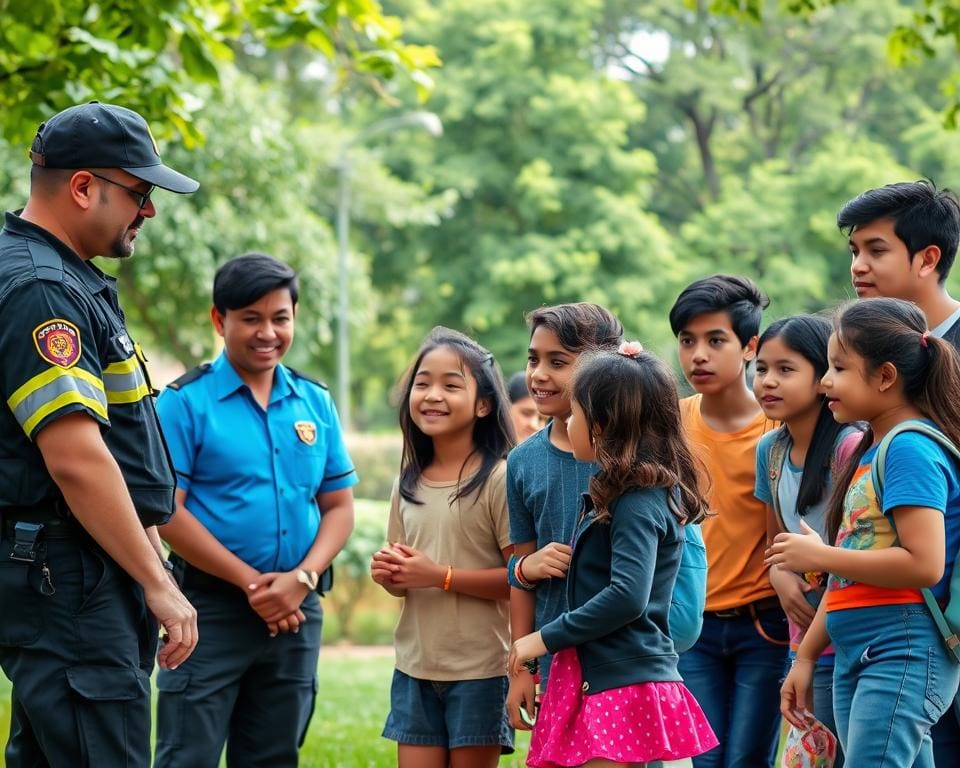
point(812, 747)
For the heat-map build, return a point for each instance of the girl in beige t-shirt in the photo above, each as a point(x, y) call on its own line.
point(449, 541)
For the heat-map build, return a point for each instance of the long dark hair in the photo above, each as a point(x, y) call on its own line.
point(807, 335)
point(894, 331)
point(641, 444)
point(492, 434)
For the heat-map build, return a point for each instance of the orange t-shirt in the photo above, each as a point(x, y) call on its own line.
point(735, 535)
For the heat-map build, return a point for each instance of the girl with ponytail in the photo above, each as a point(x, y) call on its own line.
point(893, 676)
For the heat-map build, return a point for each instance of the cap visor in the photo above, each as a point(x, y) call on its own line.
point(165, 178)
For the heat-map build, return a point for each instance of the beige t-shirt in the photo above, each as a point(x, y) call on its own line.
point(447, 635)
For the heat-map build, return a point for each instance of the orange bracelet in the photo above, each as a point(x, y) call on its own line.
point(448, 579)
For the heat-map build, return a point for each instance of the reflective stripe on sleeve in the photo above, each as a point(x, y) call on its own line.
point(53, 389)
point(124, 382)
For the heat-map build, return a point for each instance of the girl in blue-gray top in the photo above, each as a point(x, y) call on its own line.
point(615, 694)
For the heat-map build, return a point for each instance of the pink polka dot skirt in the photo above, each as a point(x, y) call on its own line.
point(633, 724)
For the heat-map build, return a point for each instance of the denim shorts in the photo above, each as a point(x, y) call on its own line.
point(449, 713)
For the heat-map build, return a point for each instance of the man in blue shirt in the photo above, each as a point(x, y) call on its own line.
point(264, 504)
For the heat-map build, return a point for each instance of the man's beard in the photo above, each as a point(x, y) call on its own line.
point(122, 247)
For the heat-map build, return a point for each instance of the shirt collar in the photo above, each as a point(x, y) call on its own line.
point(228, 380)
point(946, 325)
point(92, 278)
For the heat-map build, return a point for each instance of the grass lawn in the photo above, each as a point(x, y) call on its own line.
point(351, 707)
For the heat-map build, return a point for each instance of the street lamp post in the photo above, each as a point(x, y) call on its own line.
point(426, 121)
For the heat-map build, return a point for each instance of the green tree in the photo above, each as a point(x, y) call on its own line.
point(156, 57)
point(550, 196)
point(926, 29)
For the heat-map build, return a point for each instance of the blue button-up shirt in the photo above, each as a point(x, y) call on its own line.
point(251, 475)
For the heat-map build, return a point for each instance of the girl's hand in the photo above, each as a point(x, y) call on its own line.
point(791, 589)
point(795, 693)
point(527, 647)
point(411, 568)
point(550, 562)
point(797, 551)
point(380, 571)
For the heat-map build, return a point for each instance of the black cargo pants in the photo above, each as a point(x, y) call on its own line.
point(78, 644)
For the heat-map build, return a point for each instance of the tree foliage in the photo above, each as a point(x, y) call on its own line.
point(606, 151)
point(925, 29)
point(155, 57)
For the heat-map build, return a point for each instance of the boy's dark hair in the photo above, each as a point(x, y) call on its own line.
point(641, 442)
point(579, 326)
point(739, 297)
point(246, 279)
point(921, 214)
point(492, 434)
point(807, 335)
point(895, 331)
point(517, 387)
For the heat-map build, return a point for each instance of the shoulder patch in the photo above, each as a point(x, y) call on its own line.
point(305, 377)
point(58, 342)
point(192, 375)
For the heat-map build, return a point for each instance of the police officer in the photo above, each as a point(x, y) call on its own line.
point(84, 474)
point(264, 504)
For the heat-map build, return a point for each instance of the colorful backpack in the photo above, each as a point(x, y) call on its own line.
point(948, 621)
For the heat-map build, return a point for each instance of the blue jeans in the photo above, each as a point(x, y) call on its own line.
point(893, 680)
point(735, 673)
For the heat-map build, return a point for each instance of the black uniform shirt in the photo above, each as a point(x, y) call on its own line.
point(64, 348)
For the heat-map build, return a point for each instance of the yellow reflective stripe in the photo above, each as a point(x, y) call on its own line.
point(124, 381)
point(127, 395)
point(51, 374)
point(124, 366)
point(67, 398)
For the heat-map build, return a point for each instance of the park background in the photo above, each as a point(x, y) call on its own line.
point(461, 162)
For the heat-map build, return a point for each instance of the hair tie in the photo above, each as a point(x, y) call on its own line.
point(630, 349)
point(923, 339)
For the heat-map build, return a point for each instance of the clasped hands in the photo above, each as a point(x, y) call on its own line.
point(276, 598)
point(403, 567)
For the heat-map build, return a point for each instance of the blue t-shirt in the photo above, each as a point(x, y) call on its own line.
point(789, 486)
point(918, 473)
point(252, 475)
point(544, 488)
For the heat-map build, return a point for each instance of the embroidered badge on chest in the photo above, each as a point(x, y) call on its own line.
point(306, 431)
point(58, 342)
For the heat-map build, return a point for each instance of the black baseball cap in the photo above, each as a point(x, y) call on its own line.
point(96, 135)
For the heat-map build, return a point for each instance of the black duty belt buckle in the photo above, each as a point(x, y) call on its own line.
point(25, 537)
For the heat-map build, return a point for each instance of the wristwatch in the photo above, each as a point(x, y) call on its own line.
point(310, 578)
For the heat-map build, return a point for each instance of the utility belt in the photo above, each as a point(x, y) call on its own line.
point(29, 527)
point(191, 577)
point(750, 610)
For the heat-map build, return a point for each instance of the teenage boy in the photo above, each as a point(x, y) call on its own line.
point(736, 666)
point(545, 481)
point(264, 503)
point(903, 241)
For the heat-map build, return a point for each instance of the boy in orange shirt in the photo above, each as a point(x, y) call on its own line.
point(736, 666)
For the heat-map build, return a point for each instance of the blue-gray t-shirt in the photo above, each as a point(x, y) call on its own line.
point(544, 486)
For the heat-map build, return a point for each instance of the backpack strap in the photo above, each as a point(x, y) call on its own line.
point(776, 459)
point(877, 469)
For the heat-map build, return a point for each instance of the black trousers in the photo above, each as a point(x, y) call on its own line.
point(240, 687)
point(79, 659)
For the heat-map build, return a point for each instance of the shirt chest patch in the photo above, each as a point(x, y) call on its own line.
point(306, 431)
point(58, 342)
